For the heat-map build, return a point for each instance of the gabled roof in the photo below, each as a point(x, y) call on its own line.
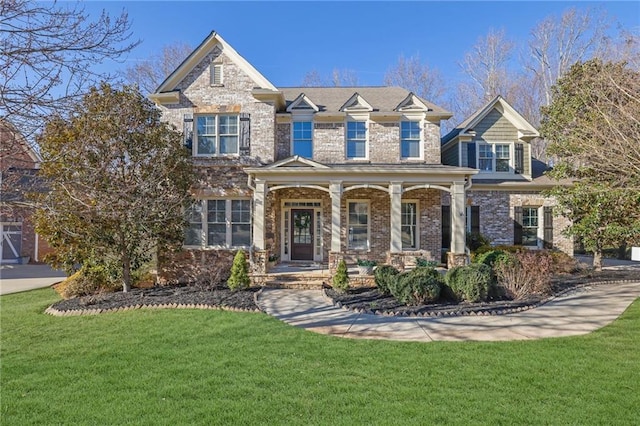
point(209, 43)
point(11, 138)
point(296, 161)
point(380, 98)
point(356, 103)
point(525, 129)
point(411, 103)
point(302, 103)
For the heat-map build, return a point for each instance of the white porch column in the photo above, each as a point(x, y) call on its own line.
point(458, 212)
point(395, 191)
point(335, 189)
point(259, 196)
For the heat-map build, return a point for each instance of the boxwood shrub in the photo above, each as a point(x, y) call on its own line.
point(418, 286)
point(471, 283)
point(385, 276)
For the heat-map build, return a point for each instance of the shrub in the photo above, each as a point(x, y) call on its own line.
point(367, 263)
point(418, 286)
point(341, 277)
point(422, 262)
point(489, 257)
point(476, 240)
point(562, 263)
point(385, 275)
point(88, 281)
point(472, 283)
point(524, 273)
point(239, 278)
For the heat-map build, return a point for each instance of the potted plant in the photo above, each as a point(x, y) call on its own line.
point(365, 266)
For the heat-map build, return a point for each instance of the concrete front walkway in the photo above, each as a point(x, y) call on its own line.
point(579, 312)
point(17, 278)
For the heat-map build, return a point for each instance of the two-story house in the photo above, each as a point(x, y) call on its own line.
point(320, 174)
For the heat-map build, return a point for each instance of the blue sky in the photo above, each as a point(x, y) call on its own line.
point(285, 40)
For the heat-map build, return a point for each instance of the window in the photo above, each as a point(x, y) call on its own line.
point(502, 158)
point(215, 78)
point(530, 226)
point(216, 134)
point(410, 139)
point(358, 225)
point(303, 138)
point(227, 223)
point(356, 139)
point(409, 225)
point(494, 157)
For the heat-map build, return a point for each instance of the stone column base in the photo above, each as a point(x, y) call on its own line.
point(334, 258)
point(396, 260)
point(259, 263)
point(457, 259)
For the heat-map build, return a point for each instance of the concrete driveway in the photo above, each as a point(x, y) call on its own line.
point(17, 278)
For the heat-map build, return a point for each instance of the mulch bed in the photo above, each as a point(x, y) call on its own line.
point(367, 300)
point(371, 301)
point(176, 296)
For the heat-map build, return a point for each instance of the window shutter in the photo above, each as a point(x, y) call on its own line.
point(519, 158)
point(187, 131)
point(215, 74)
point(245, 133)
point(517, 225)
point(548, 227)
point(471, 155)
point(446, 226)
point(475, 219)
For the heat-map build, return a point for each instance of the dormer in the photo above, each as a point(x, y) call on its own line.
point(356, 104)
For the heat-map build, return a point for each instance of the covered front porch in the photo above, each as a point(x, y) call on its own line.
point(304, 211)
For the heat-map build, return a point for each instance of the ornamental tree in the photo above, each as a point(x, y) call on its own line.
point(119, 180)
point(593, 125)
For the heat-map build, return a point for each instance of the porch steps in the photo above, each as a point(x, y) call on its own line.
point(301, 281)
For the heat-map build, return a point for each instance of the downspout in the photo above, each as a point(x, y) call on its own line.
point(35, 255)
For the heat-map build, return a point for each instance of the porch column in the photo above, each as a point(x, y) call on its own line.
point(458, 211)
point(259, 195)
point(335, 189)
point(395, 191)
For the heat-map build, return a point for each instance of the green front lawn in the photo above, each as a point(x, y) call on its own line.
point(208, 367)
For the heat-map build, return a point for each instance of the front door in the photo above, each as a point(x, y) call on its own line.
point(302, 234)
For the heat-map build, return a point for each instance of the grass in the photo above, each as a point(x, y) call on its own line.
point(209, 367)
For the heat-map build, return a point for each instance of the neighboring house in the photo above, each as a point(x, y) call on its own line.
point(19, 164)
point(321, 174)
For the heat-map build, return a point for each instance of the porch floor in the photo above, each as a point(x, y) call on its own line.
point(305, 275)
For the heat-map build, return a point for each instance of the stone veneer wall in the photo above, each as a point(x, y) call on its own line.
point(496, 215)
point(197, 95)
point(380, 212)
point(384, 142)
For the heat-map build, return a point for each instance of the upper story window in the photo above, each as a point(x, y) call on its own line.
point(356, 139)
point(215, 76)
point(216, 135)
point(410, 139)
point(494, 157)
point(302, 144)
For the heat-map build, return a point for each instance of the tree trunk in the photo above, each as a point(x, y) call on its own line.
point(622, 251)
point(597, 259)
point(126, 273)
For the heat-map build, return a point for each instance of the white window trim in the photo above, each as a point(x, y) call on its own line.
point(298, 117)
point(493, 144)
point(194, 146)
point(357, 118)
point(205, 225)
point(421, 141)
point(368, 203)
point(417, 203)
point(539, 229)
